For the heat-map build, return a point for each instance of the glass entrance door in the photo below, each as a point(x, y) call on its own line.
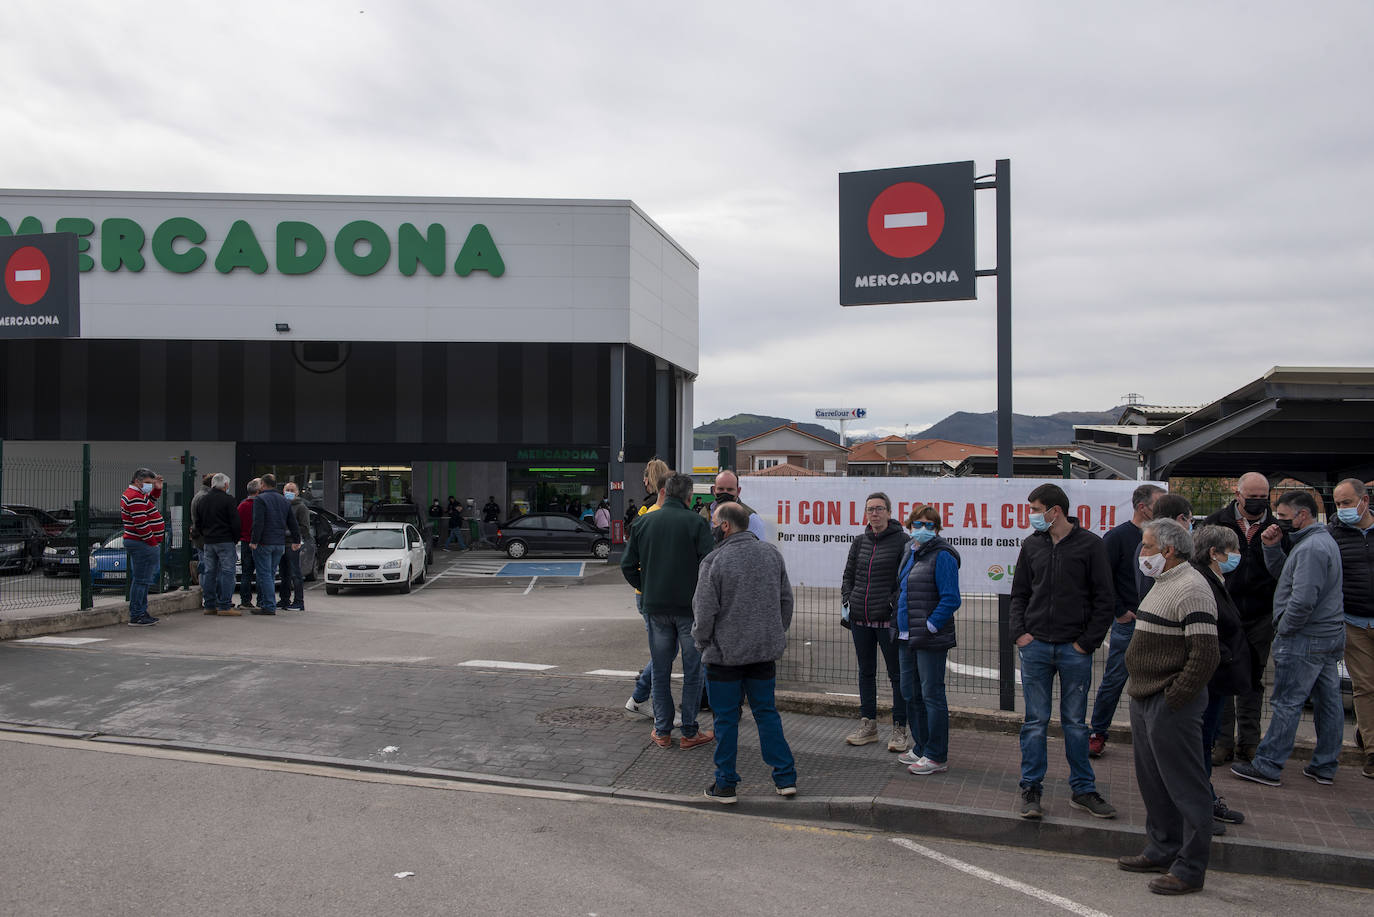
point(360, 486)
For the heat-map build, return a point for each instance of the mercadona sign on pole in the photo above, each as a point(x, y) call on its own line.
point(907, 235)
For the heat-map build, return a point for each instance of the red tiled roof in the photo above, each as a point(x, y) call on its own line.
point(928, 450)
point(786, 470)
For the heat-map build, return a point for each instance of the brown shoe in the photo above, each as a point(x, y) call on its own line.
point(701, 738)
point(1170, 884)
point(229, 613)
point(1140, 863)
point(661, 741)
point(208, 611)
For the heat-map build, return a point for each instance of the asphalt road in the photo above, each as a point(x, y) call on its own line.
point(117, 830)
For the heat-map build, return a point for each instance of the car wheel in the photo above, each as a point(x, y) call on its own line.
point(516, 550)
point(405, 583)
point(602, 549)
point(331, 589)
point(421, 578)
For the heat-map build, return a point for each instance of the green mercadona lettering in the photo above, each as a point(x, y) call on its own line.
point(361, 247)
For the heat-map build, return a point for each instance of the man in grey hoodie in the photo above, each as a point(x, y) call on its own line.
point(741, 611)
point(1309, 624)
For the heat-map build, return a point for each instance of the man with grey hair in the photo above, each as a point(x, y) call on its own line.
point(1172, 655)
point(742, 609)
point(217, 520)
point(1309, 621)
point(1252, 588)
point(1353, 525)
point(661, 561)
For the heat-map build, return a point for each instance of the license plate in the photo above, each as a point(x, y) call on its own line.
point(113, 576)
point(360, 576)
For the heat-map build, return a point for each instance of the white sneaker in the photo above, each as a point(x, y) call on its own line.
point(640, 707)
point(925, 767)
point(866, 733)
point(910, 757)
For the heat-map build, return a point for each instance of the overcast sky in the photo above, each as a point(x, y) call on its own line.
point(1192, 182)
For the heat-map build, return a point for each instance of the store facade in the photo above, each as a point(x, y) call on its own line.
point(371, 349)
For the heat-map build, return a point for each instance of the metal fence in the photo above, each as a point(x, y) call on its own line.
point(61, 533)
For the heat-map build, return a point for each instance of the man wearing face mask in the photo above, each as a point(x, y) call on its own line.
point(1252, 588)
point(1352, 530)
point(1309, 620)
point(726, 490)
point(1123, 547)
point(143, 533)
point(292, 576)
point(272, 524)
point(1172, 655)
point(1062, 597)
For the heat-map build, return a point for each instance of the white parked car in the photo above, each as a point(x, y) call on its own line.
point(376, 554)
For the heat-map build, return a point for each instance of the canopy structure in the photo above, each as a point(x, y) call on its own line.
point(1311, 423)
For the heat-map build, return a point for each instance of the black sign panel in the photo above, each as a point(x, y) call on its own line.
point(40, 297)
point(906, 235)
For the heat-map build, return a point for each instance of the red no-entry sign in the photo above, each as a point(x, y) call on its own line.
point(906, 219)
point(27, 276)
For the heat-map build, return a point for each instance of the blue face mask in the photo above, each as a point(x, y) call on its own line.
point(146, 488)
point(921, 535)
point(1349, 514)
point(1231, 562)
point(288, 495)
point(1038, 522)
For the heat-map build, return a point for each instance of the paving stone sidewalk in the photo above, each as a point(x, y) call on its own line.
point(573, 731)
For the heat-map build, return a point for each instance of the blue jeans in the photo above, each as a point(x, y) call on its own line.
point(1040, 662)
point(1113, 678)
point(292, 579)
point(644, 684)
point(217, 583)
point(455, 533)
point(201, 567)
point(145, 561)
point(923, 687)
point(1304, 666)
point(667, 635)
point(867, 642)
point(266, 558)
point(1211, 725)
point(726, 700)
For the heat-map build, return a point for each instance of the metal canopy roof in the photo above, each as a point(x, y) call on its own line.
point(1309, 423)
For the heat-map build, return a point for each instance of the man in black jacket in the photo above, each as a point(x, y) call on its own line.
point(1062, 597)
point(217, 520)
point(1252, 589)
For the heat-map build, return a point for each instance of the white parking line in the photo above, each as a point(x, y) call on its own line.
point(498, 664)
point(614, 673)
point(998, 879)
point(430, 579)
point(62, 641)
point(533, 580)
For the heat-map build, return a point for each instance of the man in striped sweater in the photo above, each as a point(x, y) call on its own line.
point(1172, 655)
point(143, 533)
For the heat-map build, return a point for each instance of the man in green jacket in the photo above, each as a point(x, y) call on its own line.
point(661, 561)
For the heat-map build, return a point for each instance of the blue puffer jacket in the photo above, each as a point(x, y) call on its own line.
point(928, 593)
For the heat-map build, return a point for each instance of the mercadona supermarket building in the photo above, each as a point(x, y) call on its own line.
point(368, 348)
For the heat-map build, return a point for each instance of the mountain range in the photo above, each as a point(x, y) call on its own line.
point(961, 426)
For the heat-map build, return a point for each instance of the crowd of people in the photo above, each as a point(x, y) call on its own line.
point(1190, 613)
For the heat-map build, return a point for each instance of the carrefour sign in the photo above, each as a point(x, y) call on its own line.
point(360, 247)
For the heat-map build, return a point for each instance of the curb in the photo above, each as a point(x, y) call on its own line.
point(1001, 722)
point(1106, 840)
point(167, 603)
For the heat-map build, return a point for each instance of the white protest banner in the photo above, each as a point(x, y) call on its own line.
point(813, 520)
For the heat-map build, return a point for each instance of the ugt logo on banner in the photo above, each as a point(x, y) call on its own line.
point(907, 235)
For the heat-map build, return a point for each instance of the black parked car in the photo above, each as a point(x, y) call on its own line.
point(551, 533)
point(60, 555)
point(21, 543)
point(49, 523)
point(405, 512)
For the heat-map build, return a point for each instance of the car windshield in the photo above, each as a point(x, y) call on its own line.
point(362, 539)
point(12, 525)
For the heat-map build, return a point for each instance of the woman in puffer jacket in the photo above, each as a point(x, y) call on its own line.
point(870, 575)
point(926, 598)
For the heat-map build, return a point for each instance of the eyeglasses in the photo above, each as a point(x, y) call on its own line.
point(923, 525)
point(875, 509)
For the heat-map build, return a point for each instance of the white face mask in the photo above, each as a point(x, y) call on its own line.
point(1152, 564)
